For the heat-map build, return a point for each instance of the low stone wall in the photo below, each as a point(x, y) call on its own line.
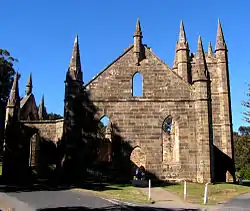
point(51, 130)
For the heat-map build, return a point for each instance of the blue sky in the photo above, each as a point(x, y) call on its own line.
point(41, 35)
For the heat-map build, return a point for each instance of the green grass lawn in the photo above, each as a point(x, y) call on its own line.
point(1, 168)
point(121, 192)
point(216, 193)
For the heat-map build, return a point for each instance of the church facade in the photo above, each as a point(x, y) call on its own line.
point(179, 127)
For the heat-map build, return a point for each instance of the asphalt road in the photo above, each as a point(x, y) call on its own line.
point(59, 200)
point(241, 203)
point(65, 200)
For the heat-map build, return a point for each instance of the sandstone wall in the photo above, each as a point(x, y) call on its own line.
point(139, 119)
point(50, 130)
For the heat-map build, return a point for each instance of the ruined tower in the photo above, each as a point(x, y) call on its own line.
point(73, 84)
point(200, 81)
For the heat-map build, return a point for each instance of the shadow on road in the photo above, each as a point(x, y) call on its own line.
point(113, 208)
point(47, 187)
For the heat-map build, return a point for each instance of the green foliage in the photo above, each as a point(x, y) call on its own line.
point(245, 172)
point(244, 130)
point(53, 116)
point(242, 152)
point(6, 74)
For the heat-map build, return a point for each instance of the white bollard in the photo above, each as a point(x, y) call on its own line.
point(185, 190)
point(149, 189)
point(206, 194)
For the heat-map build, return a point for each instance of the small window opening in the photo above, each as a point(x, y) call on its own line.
point(104, 120)
point(137, 86)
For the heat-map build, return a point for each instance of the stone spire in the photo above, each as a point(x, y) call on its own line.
point(200, 72)
point(13, 105)
point(29, 85)
point(210, 50)
point(220, 41)
point(182, 55)
point(14, 98)
point(75, 70)
point(200, 51)
point(41, 109)
point(182, 34)
point(182, 43)
point(138, 42)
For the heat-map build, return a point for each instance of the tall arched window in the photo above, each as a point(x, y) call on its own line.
point(105, 149)
point(137, 85)
point(167, 125)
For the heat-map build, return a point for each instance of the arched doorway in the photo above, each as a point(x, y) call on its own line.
point(137, 159)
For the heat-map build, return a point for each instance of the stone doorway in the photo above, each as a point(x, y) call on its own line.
point(137, 158)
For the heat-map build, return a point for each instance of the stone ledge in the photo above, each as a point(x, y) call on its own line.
point(41, 121)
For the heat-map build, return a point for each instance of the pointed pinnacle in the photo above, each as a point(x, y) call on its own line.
point(76, 39)
point(29, 85)
point(200, 51)
point(75, 63)
point(210, 49)
point(182, 34)
point(42, 101)
point(15, 82)
point(14, 94)
point(200, 46)
point(138, 31)
point(219, 31)
point(30, 80)
point(41, 109)
point(220, 41)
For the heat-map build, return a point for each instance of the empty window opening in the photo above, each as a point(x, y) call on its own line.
point(167, 125)
point(104, 120)
point(137, 86)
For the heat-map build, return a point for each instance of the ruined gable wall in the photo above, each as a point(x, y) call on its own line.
point(140, 119)
point(29, 107)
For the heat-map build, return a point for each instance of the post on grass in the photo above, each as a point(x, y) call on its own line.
point(149, 189)
point(206, 194)
point(185, 190)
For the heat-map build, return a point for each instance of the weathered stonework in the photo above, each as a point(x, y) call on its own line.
point(185, 94)
point(49, 130)
point(195, 94)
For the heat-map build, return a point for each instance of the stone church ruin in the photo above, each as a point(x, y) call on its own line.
point(180, 127)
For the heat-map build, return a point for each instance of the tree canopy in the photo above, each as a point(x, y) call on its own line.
point(242, 151)
point(53, 116)
point(7, 73)
point(246, 104)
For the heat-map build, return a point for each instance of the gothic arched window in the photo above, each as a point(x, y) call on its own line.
point(167, 125)
point(137, 85)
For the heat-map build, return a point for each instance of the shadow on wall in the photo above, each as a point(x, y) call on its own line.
point(83, 142)
point(16, 153)
point(73, 159)
point(222, 164)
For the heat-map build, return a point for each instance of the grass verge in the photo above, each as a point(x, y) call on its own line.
point(216, 193)
point(126, 193)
